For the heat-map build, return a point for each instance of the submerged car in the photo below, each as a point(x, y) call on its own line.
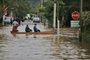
point(36, 19)
point(7, 20)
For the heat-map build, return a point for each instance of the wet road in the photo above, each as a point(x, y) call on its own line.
point(40, 47)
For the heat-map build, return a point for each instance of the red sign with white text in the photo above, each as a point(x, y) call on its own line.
point(75, 15)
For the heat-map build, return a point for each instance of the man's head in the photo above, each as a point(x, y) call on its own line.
point(26, 25)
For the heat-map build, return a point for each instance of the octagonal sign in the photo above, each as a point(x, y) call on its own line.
point(75, 15)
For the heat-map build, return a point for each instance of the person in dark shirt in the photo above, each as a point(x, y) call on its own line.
point(27, 29)
point(35, 28)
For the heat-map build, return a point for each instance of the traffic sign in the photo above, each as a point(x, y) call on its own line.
point(75, 15)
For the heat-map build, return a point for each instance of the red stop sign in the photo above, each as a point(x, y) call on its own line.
point(75, 15)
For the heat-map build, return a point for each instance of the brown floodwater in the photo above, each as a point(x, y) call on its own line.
point(40, 47)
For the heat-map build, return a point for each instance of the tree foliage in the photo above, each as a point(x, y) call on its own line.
point(49, 10)
point(85, 26)
point(65, 8)
point(19, 7)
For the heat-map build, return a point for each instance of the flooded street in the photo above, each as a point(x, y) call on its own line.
point(40, 47)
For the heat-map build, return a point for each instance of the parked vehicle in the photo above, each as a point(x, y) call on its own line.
point(7, 20)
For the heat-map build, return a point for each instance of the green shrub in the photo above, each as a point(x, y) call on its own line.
point(86, 26)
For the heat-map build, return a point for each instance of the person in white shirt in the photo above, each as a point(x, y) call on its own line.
point(15, 26)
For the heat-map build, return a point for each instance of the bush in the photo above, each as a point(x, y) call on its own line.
point(86, 25)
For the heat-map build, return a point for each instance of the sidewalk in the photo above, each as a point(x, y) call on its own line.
point(68, 32)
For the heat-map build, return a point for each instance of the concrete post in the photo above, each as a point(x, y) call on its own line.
point(58, 29)
point(54, 16)
point(3, 19)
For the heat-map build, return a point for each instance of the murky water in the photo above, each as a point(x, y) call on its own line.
point(40, 47)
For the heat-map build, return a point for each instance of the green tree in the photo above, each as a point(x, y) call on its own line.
point(20, 7)
point(49, 10)
point(85, 32)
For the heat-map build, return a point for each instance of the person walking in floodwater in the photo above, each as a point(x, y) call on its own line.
point(15, 26)
point(27, 29)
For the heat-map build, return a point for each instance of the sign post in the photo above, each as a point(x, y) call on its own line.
point(75, 22)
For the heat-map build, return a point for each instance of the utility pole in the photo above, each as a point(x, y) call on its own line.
point(54, 16)
point(81, 22)
point(41, 13)
point(58, 21)
point(11, 14)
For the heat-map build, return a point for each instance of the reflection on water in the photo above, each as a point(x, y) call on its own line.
point(40, 47)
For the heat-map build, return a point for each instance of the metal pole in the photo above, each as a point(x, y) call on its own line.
point(54, 16)
point(81, 7)
point(58, 21)
point(3, 15)
point(81, 22)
